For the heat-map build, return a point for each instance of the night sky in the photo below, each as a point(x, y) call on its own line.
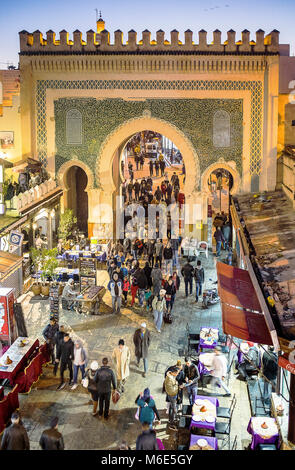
point(30, 15)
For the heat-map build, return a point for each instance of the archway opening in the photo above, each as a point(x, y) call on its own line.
point(220, 183)
point(149, 169)
point(151, 155)
point(77, 197)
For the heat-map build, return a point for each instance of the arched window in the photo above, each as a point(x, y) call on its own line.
point(221, 129)
point(74, 127)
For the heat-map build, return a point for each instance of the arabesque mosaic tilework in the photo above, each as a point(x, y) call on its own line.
point(193, 116)
point(255, 87)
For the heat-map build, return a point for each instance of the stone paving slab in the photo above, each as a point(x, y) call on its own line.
point(100, 335)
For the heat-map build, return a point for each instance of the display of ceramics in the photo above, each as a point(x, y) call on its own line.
point(202, 442)
point(199, 402)
point(210, 419)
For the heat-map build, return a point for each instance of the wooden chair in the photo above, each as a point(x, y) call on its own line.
point(12, 397)
point(44, 350)
point(5, 414)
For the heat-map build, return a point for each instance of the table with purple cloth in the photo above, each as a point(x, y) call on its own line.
point(212, 441)
point(205, 424)
point(257, 438)
point(202, 343)
point(202, 368)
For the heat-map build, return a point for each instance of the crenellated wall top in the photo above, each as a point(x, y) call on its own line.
point(97, 43)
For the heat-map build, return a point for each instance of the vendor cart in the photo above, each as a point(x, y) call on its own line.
point(90, 303)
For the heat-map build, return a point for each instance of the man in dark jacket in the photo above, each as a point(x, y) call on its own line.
point(151, 252)
point(270, 371)
point(142, 341)
point(151, 165)
point(65, 355)
point(15, 437)
point(219, 239)
point(188, 272)
point(142, 284)
point(192, 375)
point(104, 379)
point(136, 188)
point(51, 439)
point(199, 279)
point(49, 333)
point(147, 440)
point(58, 340)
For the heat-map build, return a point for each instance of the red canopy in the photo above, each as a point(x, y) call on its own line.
point(236, 287)
point(241, 311)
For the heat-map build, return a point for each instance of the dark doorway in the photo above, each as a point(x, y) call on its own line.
point(78, 197)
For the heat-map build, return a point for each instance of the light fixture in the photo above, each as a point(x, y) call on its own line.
point(34, 226)
point(52, 213)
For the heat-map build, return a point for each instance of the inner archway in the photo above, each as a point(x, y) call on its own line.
point(114, 142)
point(77, 197)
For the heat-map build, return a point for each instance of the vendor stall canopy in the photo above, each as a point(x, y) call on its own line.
point(241, 312)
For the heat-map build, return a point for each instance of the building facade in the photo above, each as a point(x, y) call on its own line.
point(82, 99)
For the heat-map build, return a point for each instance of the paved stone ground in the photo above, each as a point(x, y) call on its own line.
point(101, 334)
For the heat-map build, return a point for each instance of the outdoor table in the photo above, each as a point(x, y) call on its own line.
point(19, 356)
point(260, 435)
point(202, 343)
point(208, 402)
point(74, 255)
point(212, 441)
point(59, 273)
point(205, 364)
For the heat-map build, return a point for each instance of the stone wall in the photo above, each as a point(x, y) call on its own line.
point(194, 117)
point(35, 43)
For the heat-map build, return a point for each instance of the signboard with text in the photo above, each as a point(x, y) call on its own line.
point(286, 364)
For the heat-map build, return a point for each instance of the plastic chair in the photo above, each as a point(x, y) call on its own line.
point(223, 412)
point(267, 447)
point(224, 429)
point(184, 423)
point(202, 248)
point(235, 443)
point(187, 410)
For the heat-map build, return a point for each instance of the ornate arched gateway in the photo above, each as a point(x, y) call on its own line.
point(81, 99)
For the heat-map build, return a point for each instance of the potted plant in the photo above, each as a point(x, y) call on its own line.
point(66, 224)
point(49, 264)
point(36, 257)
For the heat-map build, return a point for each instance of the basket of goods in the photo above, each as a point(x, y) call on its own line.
point(203, 409)
point(8, 361)
point(264, 425)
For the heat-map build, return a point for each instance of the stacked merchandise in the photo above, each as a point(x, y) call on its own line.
point(54, 302)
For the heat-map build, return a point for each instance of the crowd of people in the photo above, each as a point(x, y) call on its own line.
point(147, 273)
point(145, 192)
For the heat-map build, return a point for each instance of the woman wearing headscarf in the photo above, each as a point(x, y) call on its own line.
point(92, 387)
point(147, 407)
